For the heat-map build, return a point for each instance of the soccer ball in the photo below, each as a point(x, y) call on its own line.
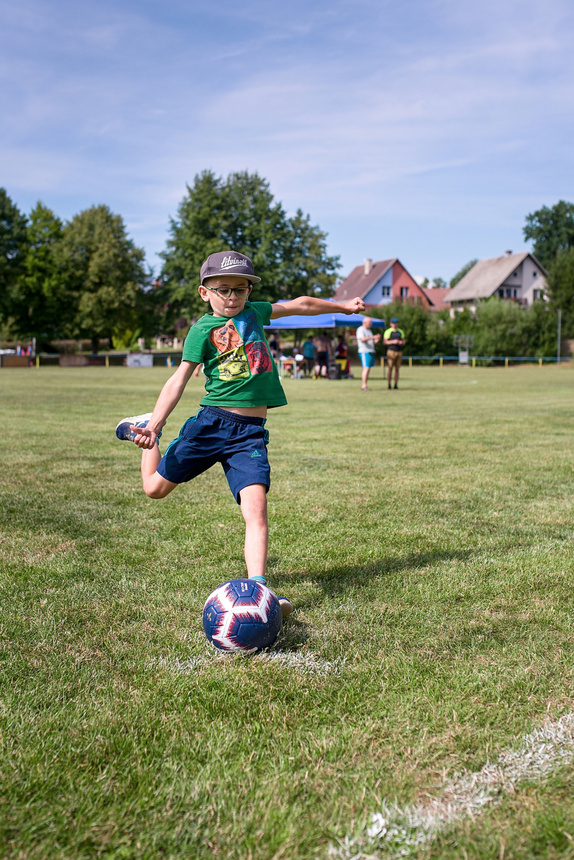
point(242, 615)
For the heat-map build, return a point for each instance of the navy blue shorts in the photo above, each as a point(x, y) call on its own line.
point(215, 435)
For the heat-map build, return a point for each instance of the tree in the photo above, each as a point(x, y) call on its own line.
point(12, 251)
point(551, 230)
point(462, 272)
point(561, 288)
point(504, 328)
point(434, 283)
point(540, 322)
point(239, 213)
point(413, 320)
point(40, 305)
point(104, 275)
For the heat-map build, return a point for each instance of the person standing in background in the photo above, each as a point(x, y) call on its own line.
point(322, 360)
point(366, 341)
point(394, 340)
point(309, 354)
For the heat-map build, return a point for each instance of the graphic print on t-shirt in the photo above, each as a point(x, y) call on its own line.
point(242, 351)
point(225, 338)
point(233, 365)
point(247, 327)
point(258, 357)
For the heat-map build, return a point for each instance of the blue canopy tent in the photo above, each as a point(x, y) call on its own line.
point(319, 321)
point(322, 321)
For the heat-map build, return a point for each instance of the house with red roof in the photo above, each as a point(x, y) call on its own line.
point(380, 283)
point(438, 297)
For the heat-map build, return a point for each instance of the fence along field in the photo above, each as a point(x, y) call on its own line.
point(425, 537)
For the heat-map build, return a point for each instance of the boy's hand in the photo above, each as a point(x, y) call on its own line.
point(145, 438)
point(354, 306)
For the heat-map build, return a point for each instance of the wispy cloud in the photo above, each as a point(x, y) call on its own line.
point(366, 110)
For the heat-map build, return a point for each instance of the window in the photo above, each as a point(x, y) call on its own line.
point(404, 292)
point(508, 292)
point(516, 274)
point(537, 294)
point(501, 293)
point(534, 274)
point(386, 291)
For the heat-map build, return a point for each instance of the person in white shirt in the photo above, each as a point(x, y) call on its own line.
point(366, 341)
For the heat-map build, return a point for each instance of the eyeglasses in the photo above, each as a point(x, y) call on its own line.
point(225, 292)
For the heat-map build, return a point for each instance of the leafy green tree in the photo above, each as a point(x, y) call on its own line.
point(40, 305)
point(561, 288)
point(462, 272)
point(104, 275)
point(551, 229)
point(439, 334)
point(497, 328)
point(239, 213)
point(504, 328)
point(413, 320)
point(13, 239)
point(306, 268)
point(540, 322)
point(439, 283)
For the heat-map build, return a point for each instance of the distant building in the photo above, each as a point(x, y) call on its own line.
point(381, 283)
point(514, 277)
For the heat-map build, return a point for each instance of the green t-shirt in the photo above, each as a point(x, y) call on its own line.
point(237, 362)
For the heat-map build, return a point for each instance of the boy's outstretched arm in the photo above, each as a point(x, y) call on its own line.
point(167, 401)
point(309, 306)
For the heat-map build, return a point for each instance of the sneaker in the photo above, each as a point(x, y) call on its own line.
point(396, 386)
point(284, 602)
point(286, 606)
point(124, 431)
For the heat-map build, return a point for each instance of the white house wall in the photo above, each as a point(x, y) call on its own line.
point(526, 278)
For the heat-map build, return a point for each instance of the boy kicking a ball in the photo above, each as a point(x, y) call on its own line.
point(242, 383)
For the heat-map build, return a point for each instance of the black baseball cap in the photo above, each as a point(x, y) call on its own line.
point(228, 263)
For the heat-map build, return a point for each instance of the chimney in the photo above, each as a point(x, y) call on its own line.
point(368, 266)
point(507, 253)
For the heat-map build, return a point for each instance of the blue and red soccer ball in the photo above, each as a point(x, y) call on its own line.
point(242, 615)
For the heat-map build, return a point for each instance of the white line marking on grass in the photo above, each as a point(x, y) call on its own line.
point(176, 665)
point(307, 663)
point(396, 832)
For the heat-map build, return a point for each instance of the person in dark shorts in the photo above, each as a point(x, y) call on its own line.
point(309, 351)
point(242, 383)
point(322, 360)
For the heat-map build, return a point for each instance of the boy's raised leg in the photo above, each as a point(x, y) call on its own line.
point(155, 486)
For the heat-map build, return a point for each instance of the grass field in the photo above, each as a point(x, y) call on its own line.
point(425, 537)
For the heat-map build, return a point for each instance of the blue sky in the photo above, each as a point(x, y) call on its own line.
point(425, 130)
